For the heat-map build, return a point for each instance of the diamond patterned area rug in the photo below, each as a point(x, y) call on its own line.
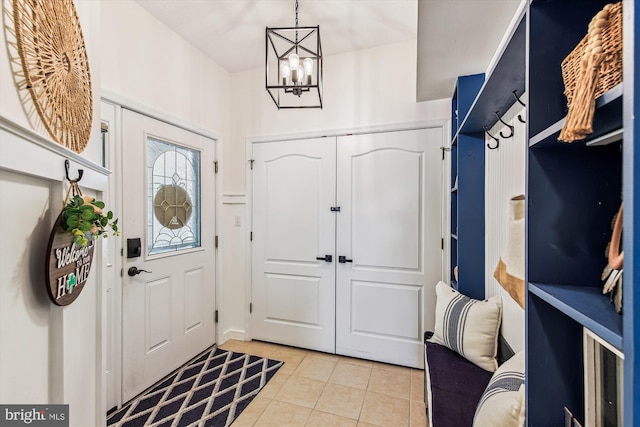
point(211, 390)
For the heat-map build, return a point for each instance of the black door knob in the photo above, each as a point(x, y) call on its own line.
point(326, 258)
point(342, 259)
point(133, 271)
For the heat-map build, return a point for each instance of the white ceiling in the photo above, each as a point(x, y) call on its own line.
point(232, 32)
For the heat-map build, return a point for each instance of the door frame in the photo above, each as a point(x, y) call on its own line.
point(114, 153)
point(249, 144)
point(446, 203)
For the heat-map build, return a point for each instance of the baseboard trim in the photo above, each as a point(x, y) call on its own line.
point(234, 334)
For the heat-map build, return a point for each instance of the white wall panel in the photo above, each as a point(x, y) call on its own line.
point(233, 301)
point(24, 306)
point(504, 178)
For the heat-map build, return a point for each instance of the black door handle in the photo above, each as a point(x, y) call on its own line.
point(326, 258)
point(342, 259)
point(133, 271)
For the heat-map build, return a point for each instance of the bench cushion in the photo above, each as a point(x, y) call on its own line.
point(454, 386)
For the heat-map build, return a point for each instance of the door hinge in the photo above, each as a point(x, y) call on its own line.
point(121, 251)
point(443, 150)
point(216, 317)
point(122, 272)
point(442, 243)
point(251, 236)
point(215, 166)
point(335, 208)
point(217, 240)
point(251, 163)
point(250, 307)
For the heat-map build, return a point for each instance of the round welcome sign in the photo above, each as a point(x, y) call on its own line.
point(68, 266)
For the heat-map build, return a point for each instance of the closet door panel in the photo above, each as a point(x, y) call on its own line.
point(293, 292)
point(388, 230)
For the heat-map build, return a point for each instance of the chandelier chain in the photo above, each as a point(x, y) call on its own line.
point(296, 26)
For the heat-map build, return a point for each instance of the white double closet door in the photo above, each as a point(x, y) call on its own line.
point(347, 243)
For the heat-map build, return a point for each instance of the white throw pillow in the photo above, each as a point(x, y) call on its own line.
point(468, 326)
point(502, 403)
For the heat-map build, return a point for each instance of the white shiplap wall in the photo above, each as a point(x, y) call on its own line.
point(504, 178)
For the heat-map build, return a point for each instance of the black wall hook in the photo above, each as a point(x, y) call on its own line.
point(515, 95)
point(506, 124)
point(66, 170)
point(492, 137)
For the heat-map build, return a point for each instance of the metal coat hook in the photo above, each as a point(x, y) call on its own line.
point(66, 170)
point(515, 95)
point(492, 137)
point(506, 124)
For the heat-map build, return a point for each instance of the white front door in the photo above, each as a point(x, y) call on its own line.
point(169, 205)
point(388, 232)
point(293, 291)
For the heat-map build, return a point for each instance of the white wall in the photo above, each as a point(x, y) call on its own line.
point(48, 354)
point(365, 88)
point(504, 179)
point(143, 61)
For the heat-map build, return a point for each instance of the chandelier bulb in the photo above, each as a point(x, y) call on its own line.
point(294, 60)
point(308, 70)
point(285, 72)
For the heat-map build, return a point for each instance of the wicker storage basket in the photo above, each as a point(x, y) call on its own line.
point(611, 68)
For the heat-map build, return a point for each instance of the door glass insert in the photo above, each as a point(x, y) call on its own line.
point(173, 197)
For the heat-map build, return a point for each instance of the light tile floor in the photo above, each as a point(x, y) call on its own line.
point(319, 389)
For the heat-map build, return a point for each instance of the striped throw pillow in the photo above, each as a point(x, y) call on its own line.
point(468, 326)
point(502, 403)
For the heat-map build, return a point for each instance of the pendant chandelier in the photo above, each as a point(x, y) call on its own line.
point(293, 72)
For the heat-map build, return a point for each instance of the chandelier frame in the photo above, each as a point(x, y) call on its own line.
point(279, 43)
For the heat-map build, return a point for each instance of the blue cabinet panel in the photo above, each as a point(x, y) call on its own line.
point(467, 193)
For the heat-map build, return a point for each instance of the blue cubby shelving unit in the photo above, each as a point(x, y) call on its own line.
point(573, 191)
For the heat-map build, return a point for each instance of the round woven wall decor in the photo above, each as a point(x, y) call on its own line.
point(56, 67)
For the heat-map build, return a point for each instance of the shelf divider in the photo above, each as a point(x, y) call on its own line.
point(608, 106)
point(587, 306)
